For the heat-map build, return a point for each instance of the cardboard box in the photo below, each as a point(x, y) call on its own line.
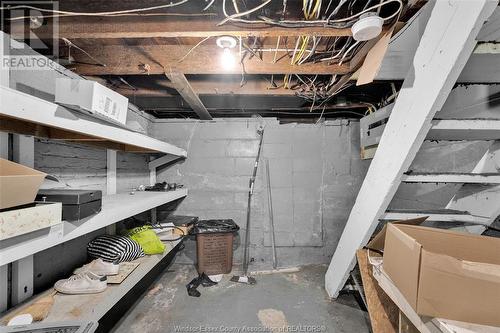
point(443, 273)
point(18, 184)
point(92, 97)
point(24, 220)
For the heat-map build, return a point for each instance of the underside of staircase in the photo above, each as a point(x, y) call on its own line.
point(430, 109)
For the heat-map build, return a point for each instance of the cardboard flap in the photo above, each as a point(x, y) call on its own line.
point(378, 241)
point(460, 245)
point(9, 168)
point(373, 60)
point(402, 262)
point(18, 184)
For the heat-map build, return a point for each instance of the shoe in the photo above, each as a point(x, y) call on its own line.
point(99, 267)
point(83, 283)
point(205, 280)
point(192, 287)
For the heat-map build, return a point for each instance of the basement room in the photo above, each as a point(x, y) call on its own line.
point(231, 166)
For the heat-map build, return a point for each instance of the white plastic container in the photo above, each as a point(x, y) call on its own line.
point(367, 27)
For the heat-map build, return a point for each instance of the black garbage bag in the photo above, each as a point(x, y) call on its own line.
point(214, 226)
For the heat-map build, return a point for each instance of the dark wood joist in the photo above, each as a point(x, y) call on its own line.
point(206, 59)
point(202, 85)
point(182, 85)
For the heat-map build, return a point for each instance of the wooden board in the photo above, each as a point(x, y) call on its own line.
point(95, 306)
point(125, 269)
point(383, 312)
point(405, 325)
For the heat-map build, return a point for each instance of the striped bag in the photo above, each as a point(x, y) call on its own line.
point(114, 248)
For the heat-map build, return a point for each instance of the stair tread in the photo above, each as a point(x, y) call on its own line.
point(428, 211)
point(451, 177)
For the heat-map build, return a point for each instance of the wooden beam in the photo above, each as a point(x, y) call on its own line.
point(182, 85)
point(447, 43)
point(205, 85)
point(165, 27)
point(205, 59)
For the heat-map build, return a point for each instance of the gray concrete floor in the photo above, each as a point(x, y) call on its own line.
point(296, 300)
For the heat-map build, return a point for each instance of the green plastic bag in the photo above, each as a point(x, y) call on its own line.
point(147, 239)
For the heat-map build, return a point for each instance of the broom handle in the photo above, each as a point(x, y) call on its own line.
point(250, 193)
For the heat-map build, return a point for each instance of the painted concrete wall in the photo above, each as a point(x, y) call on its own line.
point(315, 174)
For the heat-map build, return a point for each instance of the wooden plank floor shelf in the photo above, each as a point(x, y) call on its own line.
point(95, 306)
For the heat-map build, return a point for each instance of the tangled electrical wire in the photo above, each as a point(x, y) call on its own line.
point(308, 49)
point(304, 50)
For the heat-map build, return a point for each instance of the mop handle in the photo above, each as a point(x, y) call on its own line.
point(250, 193)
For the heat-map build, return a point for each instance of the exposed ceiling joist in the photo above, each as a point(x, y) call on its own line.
point(172, 27)
point(182, 85)
point(211, 85)
point(205, 59)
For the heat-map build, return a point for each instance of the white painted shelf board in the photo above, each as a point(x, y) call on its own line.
point(115, 208)
point(33, 110)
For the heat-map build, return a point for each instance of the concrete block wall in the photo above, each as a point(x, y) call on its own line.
point(81, 167)
point(315, 173)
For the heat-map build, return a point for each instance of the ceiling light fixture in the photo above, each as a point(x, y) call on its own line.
point(367, 27)
point(226, 43)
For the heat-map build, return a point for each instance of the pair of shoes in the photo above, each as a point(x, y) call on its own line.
point(88, 279)
point(99, 267)
point(204, 280)
point(82, 283)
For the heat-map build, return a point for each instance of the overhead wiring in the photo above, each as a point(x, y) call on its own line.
point(109, 13)
point(193, 48)
point(237, 15)
point(344, 22)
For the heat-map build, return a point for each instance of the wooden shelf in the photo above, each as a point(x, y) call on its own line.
point(95, 306)
point(25, 114)
point(115, 208)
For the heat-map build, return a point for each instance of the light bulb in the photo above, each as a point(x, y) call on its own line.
point(227, 59)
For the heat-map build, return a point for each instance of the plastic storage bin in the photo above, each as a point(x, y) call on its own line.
point(214, 245)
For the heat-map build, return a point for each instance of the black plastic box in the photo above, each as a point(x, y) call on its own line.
point(76, 204)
